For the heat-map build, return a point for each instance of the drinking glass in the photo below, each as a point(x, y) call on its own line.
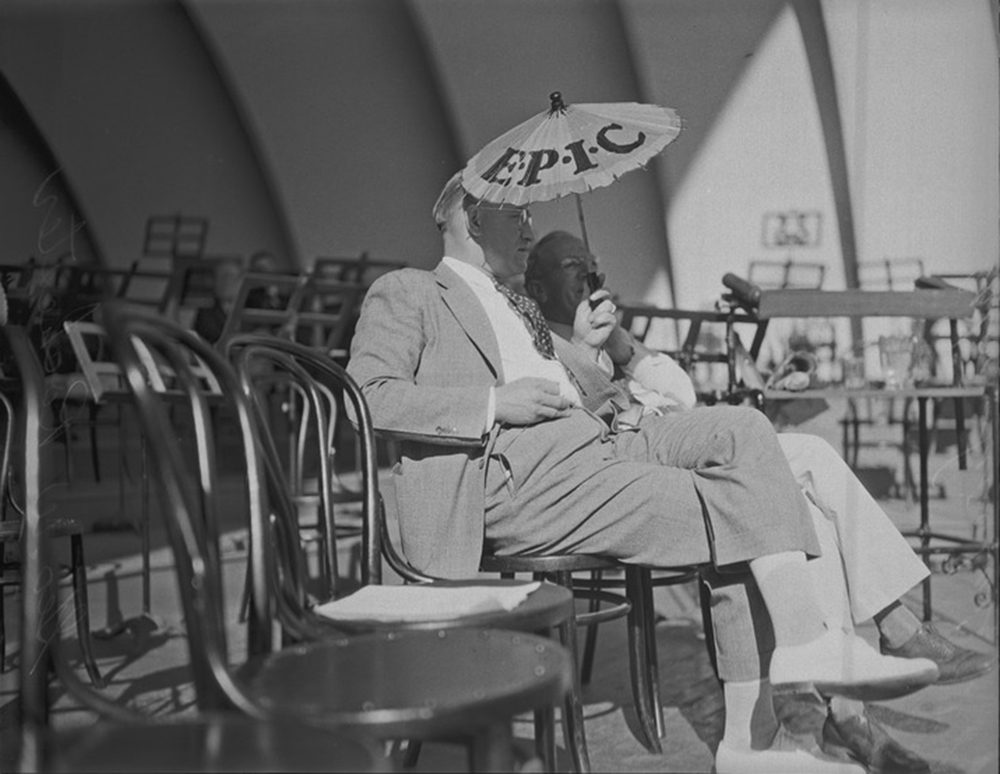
point(853, 368)
point(896, 356)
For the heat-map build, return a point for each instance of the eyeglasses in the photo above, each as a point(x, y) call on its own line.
point(523, 213)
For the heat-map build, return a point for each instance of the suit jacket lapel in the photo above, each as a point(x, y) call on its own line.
point(468, 312)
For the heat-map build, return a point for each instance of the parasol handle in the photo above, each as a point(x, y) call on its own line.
point(583, 223)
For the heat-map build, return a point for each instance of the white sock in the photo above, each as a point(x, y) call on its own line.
point(750, 720)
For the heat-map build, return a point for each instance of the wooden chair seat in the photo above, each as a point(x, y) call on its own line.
point(413, 685)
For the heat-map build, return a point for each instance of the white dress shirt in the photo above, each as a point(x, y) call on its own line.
point(518, 356)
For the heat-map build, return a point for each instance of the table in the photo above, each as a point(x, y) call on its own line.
point(930, 542)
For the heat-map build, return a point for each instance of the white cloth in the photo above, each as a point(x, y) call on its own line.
point(659, 382)
point(424, 603)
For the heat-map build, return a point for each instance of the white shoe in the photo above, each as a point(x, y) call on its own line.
point(784, 756)
point(842, 664)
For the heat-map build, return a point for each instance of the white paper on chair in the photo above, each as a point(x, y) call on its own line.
point(424, 603)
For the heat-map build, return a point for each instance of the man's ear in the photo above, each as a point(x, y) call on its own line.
point(536, 289)
point(473, 219)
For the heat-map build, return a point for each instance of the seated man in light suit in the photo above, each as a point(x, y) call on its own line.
point(860, 544)
point(499, 445)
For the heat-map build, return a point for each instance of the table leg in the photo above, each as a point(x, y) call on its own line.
point(145, 623)
point(144, 528)
point(991, 413)
point(925, 537)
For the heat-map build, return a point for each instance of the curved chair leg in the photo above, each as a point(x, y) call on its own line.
point(244, 612)
point(545, 738)
point(492, 749)
point(705, 598)
point(573, 730)
point(81, 605)
point(3, 628)
point(590, 642)
point(95, 457)
point(639, 656)
point(652, 654)
point(412, 753)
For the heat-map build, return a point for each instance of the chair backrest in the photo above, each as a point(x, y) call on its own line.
point(104, 375)
point(39, 609)
point(319, 381)
point(262, 360)
point(701, 341)
point(319, 378)
point(89, 344)
point(890, 273)
point(40, 645)
point(175, 236)
point(190, 285)
point(361, 269)
point(8, 445)
point(307, 309)
point(773, 275)
point(190, 487)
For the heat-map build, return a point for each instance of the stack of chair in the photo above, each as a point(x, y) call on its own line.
point(547, 610)
point(446, 682)
point(122, 739)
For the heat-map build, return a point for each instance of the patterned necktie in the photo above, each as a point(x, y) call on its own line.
point(529, 312)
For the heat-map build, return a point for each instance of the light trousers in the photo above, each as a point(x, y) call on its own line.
point(865, 565)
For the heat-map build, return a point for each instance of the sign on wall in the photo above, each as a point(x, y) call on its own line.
point(792, 228)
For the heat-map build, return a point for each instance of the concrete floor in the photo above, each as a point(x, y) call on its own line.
point(955, 727)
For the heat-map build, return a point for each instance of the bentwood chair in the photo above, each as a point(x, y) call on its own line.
point(445, 684)
point(12, 529)
point(312, 310)
point(319, 380)
point(124, 740)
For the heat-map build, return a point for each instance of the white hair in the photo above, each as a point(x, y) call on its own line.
point(451, 199)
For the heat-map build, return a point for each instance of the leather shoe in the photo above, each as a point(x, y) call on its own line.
point(865, 740)
point(954, 663)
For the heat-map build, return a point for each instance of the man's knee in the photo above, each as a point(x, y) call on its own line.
point(749, 421)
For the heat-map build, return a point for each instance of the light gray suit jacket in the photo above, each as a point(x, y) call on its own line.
point(425, 355)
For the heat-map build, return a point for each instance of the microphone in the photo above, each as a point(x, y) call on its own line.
point(744, 292)
point(932, 283)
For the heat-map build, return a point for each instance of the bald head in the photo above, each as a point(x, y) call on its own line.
point(556, 276)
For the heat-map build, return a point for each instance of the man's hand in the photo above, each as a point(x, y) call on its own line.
point(592, 327)
point(621, 346)
point(529, 400)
